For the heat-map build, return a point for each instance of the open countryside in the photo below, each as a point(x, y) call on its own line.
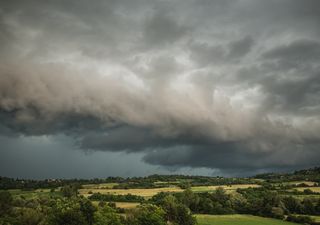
point(275, 199)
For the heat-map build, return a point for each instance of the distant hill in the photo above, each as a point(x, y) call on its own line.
point(312, 174)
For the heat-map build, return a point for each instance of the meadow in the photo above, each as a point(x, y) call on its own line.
point(213, 200)
point(87, 190)
point(238, 220)
point(144, 192)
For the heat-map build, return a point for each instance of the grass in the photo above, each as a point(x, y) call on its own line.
point(301, 197)
point(127, 205)
point(316, 218)
point(309, 183)
point(237, 219)
point(150, 192)
point(141, 192)
point(123, 205)
point(228, 188)
point(99, 186)
point(314, 189)
point(33, 194)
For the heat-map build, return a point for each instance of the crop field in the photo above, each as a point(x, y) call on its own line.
point(150, 192)
point(301, 197)
point(33, 194)
point(228, 188)
point(126, 205)
point(99, 186)
point(123, 205)
point(141, 192)
point(309, 183)
point(314, 189)
point(238, 220)
point(316, 218)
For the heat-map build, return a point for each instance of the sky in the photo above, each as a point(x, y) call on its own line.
point(136, 87)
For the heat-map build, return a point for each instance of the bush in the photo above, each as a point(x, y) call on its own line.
point(300, 219)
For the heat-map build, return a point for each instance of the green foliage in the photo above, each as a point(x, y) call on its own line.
point(29, 216)
point(72, 211)
point(6, 201)
point(300, 219)
point(87, 210)
point(116, 198)
point(70, 190)
point(107, 216)
point(146, 215)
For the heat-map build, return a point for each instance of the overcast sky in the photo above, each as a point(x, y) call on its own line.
point(136, 87)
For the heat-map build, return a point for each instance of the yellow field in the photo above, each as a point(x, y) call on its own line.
point(228, 188)
point(99, 186)
point(127, 205)
point(316, 218)
point(309, 183)
point(140, 191)
point(150, 192)
point(237, 219)
point(123, 205)
point(314, 189)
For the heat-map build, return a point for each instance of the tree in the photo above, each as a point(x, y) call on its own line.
point(107, 216)
point(5, 202)
point(146, 215)
point(308, 206)
point(68, 217)
point(87, 210)
point(67, 212)
point(29, 216)
point(292, 204)
point(177, 212)
point(69, 190)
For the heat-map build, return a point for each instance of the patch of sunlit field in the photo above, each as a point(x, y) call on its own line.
point(316, 218)
point(149, 192)
point(228, 188)
point(167, 182)
point(314, 189)
point(237, 219)
point(99, 186)
point(139, 191)
point(126, 205)
point(16, 193)
point(123, 205)
point(301, 197)
point(309, 183)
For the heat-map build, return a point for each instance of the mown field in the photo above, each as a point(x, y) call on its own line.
point(123, 205)
point(238, 220)
point(228, 188)
point(148, 192)
point(34, 193)
point(314, 189)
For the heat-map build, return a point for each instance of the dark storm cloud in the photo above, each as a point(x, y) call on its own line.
point(303, 51)
point(218, 84)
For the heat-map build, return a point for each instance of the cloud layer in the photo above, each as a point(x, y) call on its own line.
point(229, 85)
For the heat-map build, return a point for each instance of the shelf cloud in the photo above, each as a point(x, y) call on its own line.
point(226, 85)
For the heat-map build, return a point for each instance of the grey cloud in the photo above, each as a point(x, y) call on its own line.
point(161, 29)
point(240, 47)
point(231, 52)
point(217, 84)
point(300, 51)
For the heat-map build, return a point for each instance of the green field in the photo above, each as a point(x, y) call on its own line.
point(16, 193)
point(228, 188)
point(238, 220)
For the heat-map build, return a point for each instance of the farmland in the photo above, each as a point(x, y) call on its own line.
point(149, 192)
point(263, 200)
point(238, 220)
